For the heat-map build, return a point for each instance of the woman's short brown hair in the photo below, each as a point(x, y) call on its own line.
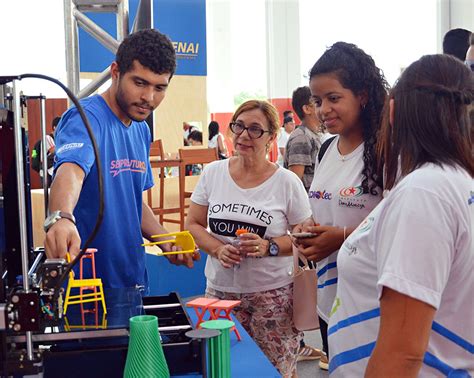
point(267, 109)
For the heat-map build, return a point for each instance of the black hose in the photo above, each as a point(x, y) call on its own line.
point(100, 214)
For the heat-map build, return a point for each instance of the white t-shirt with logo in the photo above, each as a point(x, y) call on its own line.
point(337, 199)
point(418, 242)
point(267, 210)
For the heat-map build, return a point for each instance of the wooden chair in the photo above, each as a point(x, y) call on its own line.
point(191, 156)
point(157, 151)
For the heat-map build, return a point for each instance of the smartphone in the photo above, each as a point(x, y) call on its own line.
point(303, 235)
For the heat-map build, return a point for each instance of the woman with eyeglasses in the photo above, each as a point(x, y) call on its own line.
point(249, 192)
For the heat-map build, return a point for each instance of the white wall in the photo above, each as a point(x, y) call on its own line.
point(33, 42)
point(283, 48)
point(394, 33)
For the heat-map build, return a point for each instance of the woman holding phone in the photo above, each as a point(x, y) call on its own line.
point(349, 92)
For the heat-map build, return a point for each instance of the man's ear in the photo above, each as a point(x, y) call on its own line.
point(391, 114)
point(114, 71)
point(307, 109)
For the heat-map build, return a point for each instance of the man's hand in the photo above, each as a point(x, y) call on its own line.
point(329, 240)
point(62, 237)
point(181, 258)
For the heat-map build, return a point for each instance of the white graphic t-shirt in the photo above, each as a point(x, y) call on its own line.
point(267, 210)
point(337, 199)
point(418, 242)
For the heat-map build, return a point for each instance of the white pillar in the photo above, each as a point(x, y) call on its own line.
point(219, 56)
point(283, 48)
point(453, 14)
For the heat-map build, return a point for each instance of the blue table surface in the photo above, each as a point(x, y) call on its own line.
point(246, 358)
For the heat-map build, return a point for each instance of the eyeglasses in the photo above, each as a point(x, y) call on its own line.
point(254, 132)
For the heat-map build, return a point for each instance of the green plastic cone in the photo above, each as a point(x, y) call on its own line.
point(145, 356)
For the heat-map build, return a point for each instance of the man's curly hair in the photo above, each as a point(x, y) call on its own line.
point(357, 72)
point(151, 48)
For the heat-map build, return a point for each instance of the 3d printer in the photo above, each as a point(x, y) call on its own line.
point(34, 335)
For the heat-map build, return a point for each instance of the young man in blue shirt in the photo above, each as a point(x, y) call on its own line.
point(141, 73)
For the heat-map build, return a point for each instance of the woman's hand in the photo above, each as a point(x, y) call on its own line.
point(228, 255)
point(252, 245)
point(329, 239)
point(302, 227)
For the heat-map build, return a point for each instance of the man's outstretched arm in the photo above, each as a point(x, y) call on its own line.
point(63, 236)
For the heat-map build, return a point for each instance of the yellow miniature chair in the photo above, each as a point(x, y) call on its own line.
point(68, 327)
point(96, 296)
point(182, 239)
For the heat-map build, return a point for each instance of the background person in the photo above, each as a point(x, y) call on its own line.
point(248, 191)
point(286, 129)
point(195, 138)
point(304, 142)
point(406, 271)
point(37, 153)
point(456, 43)
point(216, 140)
point(349, 92)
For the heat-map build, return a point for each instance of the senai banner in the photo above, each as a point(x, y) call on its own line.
point(184, 21)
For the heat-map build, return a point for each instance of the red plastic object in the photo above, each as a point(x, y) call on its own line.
point(222, 310)
point(200, 306)
point(89, 255)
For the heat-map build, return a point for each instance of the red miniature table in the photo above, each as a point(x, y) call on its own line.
point(200, 306)
point(222, 310)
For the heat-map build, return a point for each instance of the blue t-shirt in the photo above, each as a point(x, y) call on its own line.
point(124, 153)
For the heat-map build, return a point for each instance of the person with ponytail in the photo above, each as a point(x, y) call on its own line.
point(216, 140)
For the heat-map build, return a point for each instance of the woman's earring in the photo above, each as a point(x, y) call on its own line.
point(363, 106)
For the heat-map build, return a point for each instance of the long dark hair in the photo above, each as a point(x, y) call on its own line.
point(213, 129)
point(357, 72)
point(431, 123)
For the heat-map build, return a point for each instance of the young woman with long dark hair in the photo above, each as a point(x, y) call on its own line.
point(349, 92)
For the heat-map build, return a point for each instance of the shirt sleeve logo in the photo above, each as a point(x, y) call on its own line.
point(68, 147)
